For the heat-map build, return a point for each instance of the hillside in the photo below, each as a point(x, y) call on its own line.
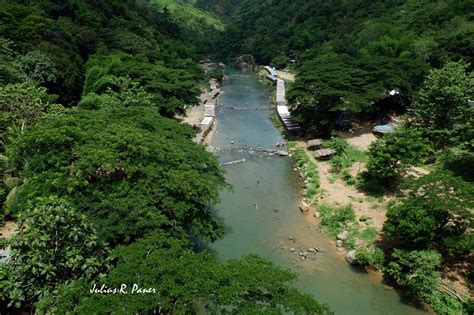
point(100, 181)
point(186, 13)
point(356, 51)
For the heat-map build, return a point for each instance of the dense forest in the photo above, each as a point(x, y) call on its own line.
point(108, 188)
point(105, 186)
point(360, 60)
point(349, 54)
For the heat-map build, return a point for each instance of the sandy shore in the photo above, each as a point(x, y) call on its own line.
point(195, 114)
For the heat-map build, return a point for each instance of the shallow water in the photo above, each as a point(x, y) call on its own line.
point(262, 210)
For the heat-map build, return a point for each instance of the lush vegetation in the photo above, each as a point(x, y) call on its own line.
point(105, 187)
point(108, 189)
point(359, 60)
point(349, 54)
point(308, 170)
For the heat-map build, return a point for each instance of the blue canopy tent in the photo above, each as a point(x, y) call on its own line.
point(383, 129)
point(271, 71)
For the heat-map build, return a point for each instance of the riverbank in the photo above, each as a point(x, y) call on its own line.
point(262, 216)
point(203, 116)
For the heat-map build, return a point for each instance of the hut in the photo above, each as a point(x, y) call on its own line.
point(314, 144)
point(324, 154)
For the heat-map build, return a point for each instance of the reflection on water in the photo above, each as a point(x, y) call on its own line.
point(262, 210)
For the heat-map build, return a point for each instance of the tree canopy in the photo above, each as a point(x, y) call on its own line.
point(128, 169)
point(181, 281)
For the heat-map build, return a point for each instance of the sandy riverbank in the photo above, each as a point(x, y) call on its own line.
point(203, 116)
point(195, 114)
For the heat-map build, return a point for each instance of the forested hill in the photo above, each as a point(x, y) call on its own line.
point(58, 40)
point(348, 53)
point(104, 187)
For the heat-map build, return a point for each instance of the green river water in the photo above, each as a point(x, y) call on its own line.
point(262, 210)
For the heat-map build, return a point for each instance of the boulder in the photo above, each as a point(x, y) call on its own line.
point(282, 153)
point(343, 235)
point(317, 214)
point(339, 243)
point(245, 62)
point(304, 207)
point(291, 238)
point(292, 249)
point(351, 257)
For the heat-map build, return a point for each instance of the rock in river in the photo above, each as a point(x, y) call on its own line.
point(351, 257)
point(282, 153)
point(304, 207)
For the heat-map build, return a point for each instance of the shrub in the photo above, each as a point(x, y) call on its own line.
point(371, 256)
point(415, 270)
point(335, 220)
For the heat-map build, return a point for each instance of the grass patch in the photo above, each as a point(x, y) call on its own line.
point(291, 145)
point(276, 121)
point(308, 170)
point(336, 220)
point(344, 158)
point(356, 155)
point(369, 234)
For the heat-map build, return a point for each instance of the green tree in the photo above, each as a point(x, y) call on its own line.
point(416, 270)
point(279, 61)
point(123, 92)
point(443, 106)
point(129, 169)
point(183, 280)
point(436, 210)
point(10, 71)
point(391, 157)
point(55, 244)
point(22, 104)
point(38, 67)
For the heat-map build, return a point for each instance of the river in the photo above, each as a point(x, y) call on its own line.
point(262, 210)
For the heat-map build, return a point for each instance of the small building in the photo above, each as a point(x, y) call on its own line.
point(314, 144)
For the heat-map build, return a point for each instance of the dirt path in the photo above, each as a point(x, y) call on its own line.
point(9, 229)
point(335, 192)
point(195, 114)
point(288, 76)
